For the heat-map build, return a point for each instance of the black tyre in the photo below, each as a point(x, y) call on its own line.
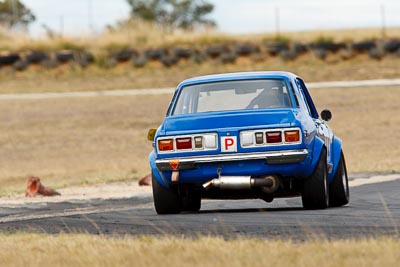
point(315, 194)
point(166, 200)
point(320, 53)
point(64, 56)
point(191, 201)
point(49, 63)
point(339, 189)
point(228, 58)
point(140, 61)
point(21, 65)
point(36, 57)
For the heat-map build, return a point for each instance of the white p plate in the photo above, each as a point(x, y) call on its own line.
point(228, 144)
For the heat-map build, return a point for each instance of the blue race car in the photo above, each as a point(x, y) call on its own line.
point(245, 135)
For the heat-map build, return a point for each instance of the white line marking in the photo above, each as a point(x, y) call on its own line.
point(150, 91)
point(348, 84)
point(374, 180)
point(159, 91)
point(65, 213)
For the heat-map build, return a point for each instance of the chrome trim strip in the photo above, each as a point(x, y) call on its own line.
point(237, 156)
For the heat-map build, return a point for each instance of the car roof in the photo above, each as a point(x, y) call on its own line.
point(238, 76)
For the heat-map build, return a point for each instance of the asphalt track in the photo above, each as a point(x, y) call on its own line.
point(374, 210)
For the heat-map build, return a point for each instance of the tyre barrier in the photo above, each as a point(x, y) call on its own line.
point(124, 55)
point(154, 54)
point(21, 65)
point(258, 57)
point(320, 53)
point(228, 58)
point(328, 46)
point(375, 53)
point(392, 46)
point(50, 63)
point(169, 60)
point(36, 57)
point(299, 48)
point(64, 56)
point(274, 49)
point(83, 58)
point(139, 61)
point(215, 51)
point(183, 53)
point(9, 59)
point(288, 55)
point(363, 46)
point(199, 57)
point(246, 49)
point(347, 54)
point(222, 53)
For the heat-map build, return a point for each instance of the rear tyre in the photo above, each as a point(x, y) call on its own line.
point(339, 189)
point(315, 194)
point(166, 200)
point(191, 201)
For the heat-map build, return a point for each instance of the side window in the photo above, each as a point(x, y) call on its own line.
point(303, 96)
point(185, 103)
point(307, 99)
point(291, 86)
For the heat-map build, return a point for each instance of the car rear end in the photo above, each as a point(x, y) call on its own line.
point(232, 134)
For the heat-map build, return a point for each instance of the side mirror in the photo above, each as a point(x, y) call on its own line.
point(151, 134)
point(326, 115)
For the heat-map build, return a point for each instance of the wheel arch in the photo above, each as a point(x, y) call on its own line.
point(317, 149)
point(157, 174)
point(336, 152)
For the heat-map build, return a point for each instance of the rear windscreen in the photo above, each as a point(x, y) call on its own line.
point(233, 95)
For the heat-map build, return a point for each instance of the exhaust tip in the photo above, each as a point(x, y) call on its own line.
point(207, 184)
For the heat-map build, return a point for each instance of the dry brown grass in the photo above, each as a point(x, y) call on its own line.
point(75, 141)
point(91, 140)
point(73, 78)
point(138, 34)
point(85, 250)
point(141, 34)
point(367, 120)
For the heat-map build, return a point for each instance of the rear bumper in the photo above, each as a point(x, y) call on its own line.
point(270, 158)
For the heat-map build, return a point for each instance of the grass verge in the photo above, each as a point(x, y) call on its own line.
point(85, 250)
point(69, 78)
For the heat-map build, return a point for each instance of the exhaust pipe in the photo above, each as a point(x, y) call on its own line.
point(269, 184)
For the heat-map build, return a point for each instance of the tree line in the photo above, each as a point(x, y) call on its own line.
point(184, 14)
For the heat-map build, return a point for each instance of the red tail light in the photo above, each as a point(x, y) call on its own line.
point(274, 137)
point(166, 144)
point(292, 136)
point(184, 143)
